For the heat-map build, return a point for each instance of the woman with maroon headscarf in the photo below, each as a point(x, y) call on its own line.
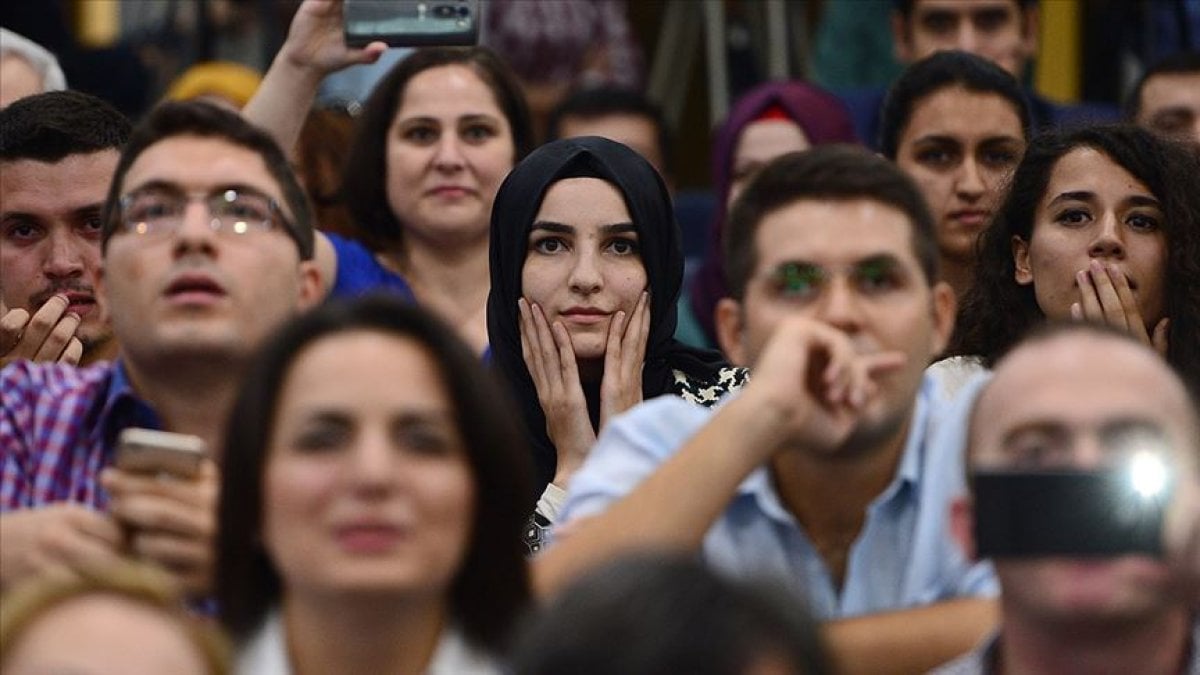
point(768, 121)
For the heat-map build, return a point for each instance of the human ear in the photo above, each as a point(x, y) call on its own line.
point(1023, 273)
point(729, 324)
point(901, 42)
point(945, 306)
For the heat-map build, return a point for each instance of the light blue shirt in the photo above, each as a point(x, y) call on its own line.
point(905, 555)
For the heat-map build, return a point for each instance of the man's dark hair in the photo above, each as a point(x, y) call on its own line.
point(650, 614)
point(826, 172)
point(905, 7)
point(491, 585)
point(593, 102)
point(51, 126)
point(1176, 64)
point(195, 118)
point(939, 71)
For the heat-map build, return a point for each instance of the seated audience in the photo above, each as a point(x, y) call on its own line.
point(26, 68)
point(374, 492)
point(125, 619)
point(956, 124)
point(623, 115)
point(1067, 400)
point(768, 121)
point(586, 267)
point(1099, 225)
point(434, 141)
point(207, 245)
point(822, 470)
point(58, 151)
point(1004, 32)
point(650, 615)
point(1166, 100)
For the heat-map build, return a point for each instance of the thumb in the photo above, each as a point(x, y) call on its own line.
point(1159, 339)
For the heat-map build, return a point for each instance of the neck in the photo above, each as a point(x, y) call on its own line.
point(960, 274)
point(452, 282)
point(828, 492)
point(191, 396)
point(1149, 646)
point(102, 350)
point(369, 634)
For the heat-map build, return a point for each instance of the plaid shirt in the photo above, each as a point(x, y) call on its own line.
point(58, 429)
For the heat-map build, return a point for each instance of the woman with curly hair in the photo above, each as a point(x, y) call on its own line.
point(1100, 224)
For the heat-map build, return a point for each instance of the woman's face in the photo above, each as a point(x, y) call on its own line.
point(1094, 210)
point(448, 149)
point(759, 143)
point(367, 485)
point(583, 263)
point(959, 148)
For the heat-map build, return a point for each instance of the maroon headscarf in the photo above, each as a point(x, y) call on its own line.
point(824, 119)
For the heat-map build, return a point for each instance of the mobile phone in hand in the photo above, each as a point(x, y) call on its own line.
point(411, 23)
point(147, 451)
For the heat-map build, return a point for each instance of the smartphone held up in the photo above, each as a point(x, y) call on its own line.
point(411, 23)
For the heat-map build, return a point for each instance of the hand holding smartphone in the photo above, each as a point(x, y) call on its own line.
point(411, 23)
point(149, 452)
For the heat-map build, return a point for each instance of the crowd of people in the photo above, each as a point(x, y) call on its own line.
point(474, 404)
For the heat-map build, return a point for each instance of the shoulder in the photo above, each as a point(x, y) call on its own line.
point(52, 381)
point(976, 662)
point(265, 652)
point(358, 271)
point(707, 391)
point(456, 656)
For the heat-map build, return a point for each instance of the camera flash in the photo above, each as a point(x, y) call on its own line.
point(1148, 474)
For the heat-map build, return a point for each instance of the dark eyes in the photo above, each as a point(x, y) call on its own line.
point(426, 134)
point(1138, 222)
point(549, 245)
point(412, 436)
point(620, 246)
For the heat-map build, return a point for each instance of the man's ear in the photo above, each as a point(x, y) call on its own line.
point(945, 307)
point(311, 288)
point(901, 38)
point(962, 524)
point(729, 325)
point(1031, 21)
point(1020, 252)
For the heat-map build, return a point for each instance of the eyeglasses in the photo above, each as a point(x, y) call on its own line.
point(158, 211)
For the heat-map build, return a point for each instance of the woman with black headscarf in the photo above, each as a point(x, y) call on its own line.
point(586, 267)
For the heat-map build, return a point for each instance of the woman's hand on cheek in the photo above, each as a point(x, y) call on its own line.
point(550, 359)
point(624, 357)
point(1105, 297)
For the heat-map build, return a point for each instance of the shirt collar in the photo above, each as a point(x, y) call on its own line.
point(121, 407)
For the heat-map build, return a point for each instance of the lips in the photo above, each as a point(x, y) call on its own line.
point(194, 288)
point(80, 303)
point(450, 191)
point(368, 537)
point(584, 315)
point(971, 217)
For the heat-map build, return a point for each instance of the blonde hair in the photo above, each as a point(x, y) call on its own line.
point(144, 586)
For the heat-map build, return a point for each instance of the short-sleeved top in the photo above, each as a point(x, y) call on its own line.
point(359, 272)
point(904, 556)
point(58, 428)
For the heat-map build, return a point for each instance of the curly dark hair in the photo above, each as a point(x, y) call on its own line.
point(997, 311)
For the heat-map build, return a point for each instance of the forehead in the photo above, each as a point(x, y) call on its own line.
point(583, 201)
point(449, 90)
point(1081, 381)
point(766, 139)
point(195, 163)
point(1086, 169)
point(76, 181)
point(959, 113)
point(962, 7)
point(1170, 90)
point(637, 131)
point(829, 232)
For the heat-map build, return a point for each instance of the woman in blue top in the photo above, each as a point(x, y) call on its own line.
point(434, 142)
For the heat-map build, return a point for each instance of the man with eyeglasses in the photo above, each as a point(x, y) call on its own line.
point(822, 473)
point(207, 243)
point(1085, 449)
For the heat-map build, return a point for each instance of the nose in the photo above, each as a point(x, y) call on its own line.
point(64, 260)
point(195, 233)
point(371, 464)
point(1107, 241)
point(970, 185)
point(585, 275)
point(839, 306)
point(967, 38)
point(449, 156)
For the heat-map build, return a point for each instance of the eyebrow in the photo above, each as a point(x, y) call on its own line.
point(561, 228)
point(1088, 196)
point(885, 259)
point(168, 186)
point(80, 212)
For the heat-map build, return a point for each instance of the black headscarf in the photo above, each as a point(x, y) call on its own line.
point(649, 203)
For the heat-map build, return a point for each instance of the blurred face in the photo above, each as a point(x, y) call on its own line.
point(1050, 406)
point(635, 131)
point(18, 79)
point(108, 635)
point(1171, 106)
point(367, 485)
point(583, 264)
point(198, 290)
point(1094, 210)
point(849, 264)
point(959, 147)
point(759, 143)
point(448, 149)
point(997, 30)
point(50, 234)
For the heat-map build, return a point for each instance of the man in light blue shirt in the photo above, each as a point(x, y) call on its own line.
point(821, 469)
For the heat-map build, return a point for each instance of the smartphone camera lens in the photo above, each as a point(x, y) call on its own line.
point(444, 11)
